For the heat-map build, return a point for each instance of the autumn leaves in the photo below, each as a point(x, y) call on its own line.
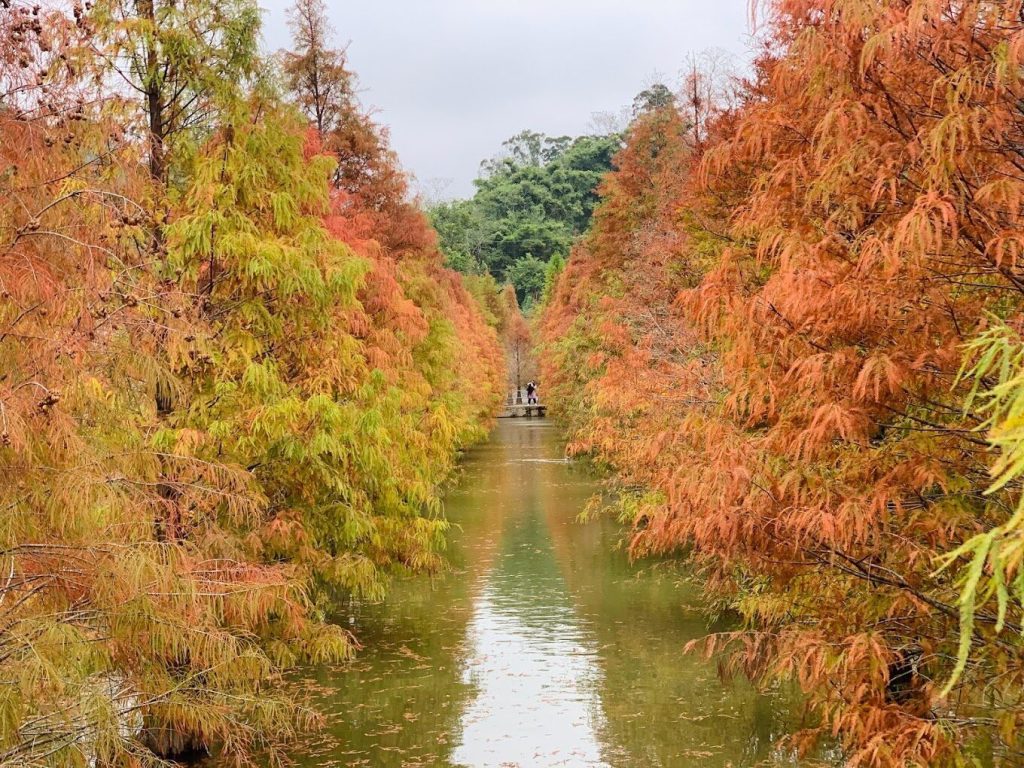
point(232, 378)
point(767, 332)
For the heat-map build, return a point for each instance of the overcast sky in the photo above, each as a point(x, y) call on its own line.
point(452, 79)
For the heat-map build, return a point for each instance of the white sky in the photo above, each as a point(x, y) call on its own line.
point(452, 79)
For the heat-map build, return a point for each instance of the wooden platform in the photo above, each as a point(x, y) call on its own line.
point(523, 411)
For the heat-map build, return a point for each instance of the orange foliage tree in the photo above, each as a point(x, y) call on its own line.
point(111, 627)
point(766, 331)
point(426, 331)
point(210, 403)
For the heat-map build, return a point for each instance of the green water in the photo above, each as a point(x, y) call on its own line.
point(543, 646)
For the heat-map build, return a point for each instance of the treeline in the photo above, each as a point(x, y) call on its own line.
point(233, 372)
point(532, 202)
point(795, 332)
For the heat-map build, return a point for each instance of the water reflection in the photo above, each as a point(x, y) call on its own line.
point(531, 664)
point(542, 647)
point(536, 698)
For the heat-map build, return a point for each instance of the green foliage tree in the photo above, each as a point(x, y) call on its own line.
point(279, 389)
point(535, 198)
point(551, 272)
point(528, 275)
point(463, 233)
point(657, 96)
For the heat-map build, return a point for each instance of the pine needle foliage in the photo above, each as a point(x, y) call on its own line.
point(214, 411)
point(766, 335)
point(111, 637)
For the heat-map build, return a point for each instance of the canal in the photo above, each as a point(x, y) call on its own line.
point(542, 646)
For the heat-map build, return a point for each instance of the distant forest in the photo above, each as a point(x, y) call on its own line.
point(532, 201)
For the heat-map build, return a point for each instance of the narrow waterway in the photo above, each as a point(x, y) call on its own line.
point(543, 646)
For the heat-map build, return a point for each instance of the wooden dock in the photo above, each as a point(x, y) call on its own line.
point(516, 407)
point(523, 411)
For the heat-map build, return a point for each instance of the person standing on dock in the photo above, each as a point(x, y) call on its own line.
point(531, 393)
